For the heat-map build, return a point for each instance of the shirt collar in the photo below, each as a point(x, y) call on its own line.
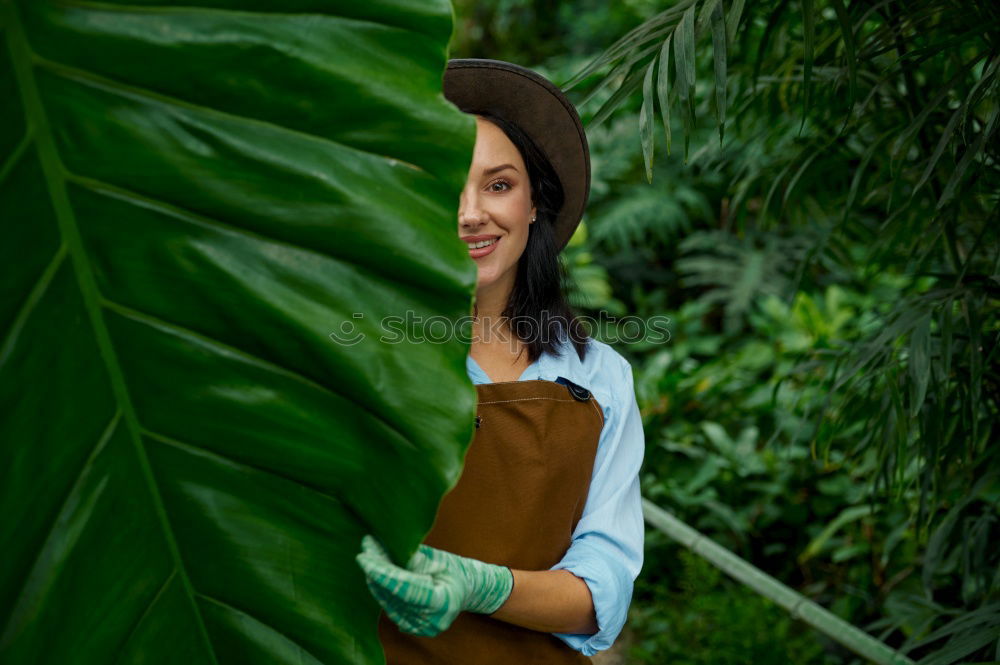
point(548, 367)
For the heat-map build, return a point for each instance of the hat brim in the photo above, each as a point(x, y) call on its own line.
point(541, 110)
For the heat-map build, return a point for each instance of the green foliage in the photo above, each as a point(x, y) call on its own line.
point(946, 62)
point(859, 150)
point(704, 618)
point(734, 454)
point(193, 199)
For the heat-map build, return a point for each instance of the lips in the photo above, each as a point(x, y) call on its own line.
point(482, 251)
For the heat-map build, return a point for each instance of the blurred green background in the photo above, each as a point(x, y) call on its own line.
point(827, 404)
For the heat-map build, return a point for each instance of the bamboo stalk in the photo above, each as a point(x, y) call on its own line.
point(795, 603)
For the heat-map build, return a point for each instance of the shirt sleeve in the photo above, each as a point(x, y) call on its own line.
point(606, 550)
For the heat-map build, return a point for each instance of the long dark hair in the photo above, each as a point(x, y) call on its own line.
point(538, 310)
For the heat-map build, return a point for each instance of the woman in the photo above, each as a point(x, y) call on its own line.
point(534, 552)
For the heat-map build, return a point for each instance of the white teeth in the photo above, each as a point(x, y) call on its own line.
point(481, 243)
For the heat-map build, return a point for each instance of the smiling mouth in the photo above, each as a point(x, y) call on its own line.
point(482, 247)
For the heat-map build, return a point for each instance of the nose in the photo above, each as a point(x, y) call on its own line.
point(470, 212)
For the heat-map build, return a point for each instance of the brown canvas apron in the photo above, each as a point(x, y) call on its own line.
point(522, 491)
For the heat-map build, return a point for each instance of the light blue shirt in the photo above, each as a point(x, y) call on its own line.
point(607, 545)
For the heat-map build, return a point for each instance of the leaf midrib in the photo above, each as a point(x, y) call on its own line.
point(55, 181)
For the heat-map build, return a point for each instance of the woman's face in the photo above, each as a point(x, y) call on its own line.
point(495, 207)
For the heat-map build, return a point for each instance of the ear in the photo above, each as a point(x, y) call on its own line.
point(534, 213)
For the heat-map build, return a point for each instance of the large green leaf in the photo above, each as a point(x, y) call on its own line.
point(193, 199)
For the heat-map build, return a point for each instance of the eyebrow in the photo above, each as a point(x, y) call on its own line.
point(497, 169)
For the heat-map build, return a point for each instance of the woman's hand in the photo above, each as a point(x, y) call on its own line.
point(425, 597)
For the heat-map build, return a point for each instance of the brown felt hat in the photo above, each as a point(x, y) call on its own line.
point(542, 111)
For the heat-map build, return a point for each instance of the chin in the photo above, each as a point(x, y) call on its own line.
point(485, 277)
point(488, 276)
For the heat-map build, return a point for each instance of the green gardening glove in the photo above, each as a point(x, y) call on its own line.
point(425, 597)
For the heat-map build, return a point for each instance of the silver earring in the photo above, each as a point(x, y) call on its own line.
point(532, 218)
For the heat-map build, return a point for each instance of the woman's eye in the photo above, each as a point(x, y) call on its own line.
point(499, 186)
